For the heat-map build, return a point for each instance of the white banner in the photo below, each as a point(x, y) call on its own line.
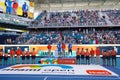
point(58, 70)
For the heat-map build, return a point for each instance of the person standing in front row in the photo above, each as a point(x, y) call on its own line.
point(27, 56)
point(104, 57)
point(63, 49)
point(6, 59)
point(12, 55)
point(108, 57)
point(70, 48)
point(113, 54)
point(78, 56)
point(92, 53)
point(23, 57)
point(82, 55)
point(49, 50)
point(87, 54)
point(1, 56)
point(33, 56)
point(18, 53)
point(25, 9)
point(59, 46)
point(98, 52)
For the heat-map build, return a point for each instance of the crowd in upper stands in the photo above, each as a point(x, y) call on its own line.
point(80, 18)
point(71, 36)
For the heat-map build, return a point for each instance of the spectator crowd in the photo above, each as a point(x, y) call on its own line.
point(79, 18)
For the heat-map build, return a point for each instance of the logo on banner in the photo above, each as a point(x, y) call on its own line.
point(99, 72)
point(40, 66)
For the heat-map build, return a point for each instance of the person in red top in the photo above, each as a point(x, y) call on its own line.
point(27, 53)
point(1, 56)
point(78, 56)
point(15, 6)
point(6, 59)
point(49, 49)
point(92, 53)
point(63, 48)
point(18, 53)
point(113, 54)
point(104, 57)
point(108, 57)
point(23, 57)
point(82, 55)
point(98, 52)
point(87, 54)
point(33, 56)
point(12, 54)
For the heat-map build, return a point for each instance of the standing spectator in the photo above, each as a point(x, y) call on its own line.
point(1, 56)
point(6, 59)
point(49, 49)
point(82, 55)
point(70, 48)
point(25, 9)
point(18, 53)
point(92, 53)
point(59, 46)
point(113, 53)
point(87, 54)
point(78, 56)
point(63, 48)
point(34, 56)
point(98, 55)
point(15, 7)
point(12, 55)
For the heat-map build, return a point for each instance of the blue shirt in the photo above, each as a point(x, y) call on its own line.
point(25, 7)
point(70, 46)
point(59, 46)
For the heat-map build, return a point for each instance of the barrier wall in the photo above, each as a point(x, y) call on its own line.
point(43, 51)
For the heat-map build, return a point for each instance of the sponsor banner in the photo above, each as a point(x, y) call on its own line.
point(54, 69)
point(66, 61)
point(98, 72)
point(49, 61)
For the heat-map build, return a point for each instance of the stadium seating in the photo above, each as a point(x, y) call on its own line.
point(80, 18)
point(74, 36)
